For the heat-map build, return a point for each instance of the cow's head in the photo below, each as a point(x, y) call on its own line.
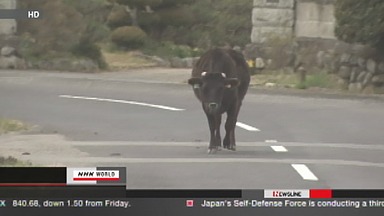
point(211, 87)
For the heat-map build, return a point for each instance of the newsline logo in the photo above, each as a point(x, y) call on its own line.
point(286, 193)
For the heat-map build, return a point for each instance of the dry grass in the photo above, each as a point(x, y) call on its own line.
point(7, 126)
point(125, 60)
point(12, 162)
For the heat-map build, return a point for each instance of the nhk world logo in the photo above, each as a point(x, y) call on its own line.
point(286, 193)
point(96, 175)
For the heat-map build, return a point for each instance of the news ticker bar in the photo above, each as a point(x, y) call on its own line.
point(20, 14)
point(61, 176)
point(324, 193)
point(122, 192)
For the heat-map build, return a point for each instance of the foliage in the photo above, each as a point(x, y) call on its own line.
point(86, 48)
point(170, 49)
point(7, 125)
point(54, 34)
point(360, 22)
point(69, 27)
point(118, 17)
point(130, 37)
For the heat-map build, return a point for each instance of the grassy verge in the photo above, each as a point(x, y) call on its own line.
point(291, 80)
point(11, 161)
point(7, 126)
point(124, 60)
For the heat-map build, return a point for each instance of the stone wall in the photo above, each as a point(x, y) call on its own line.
point(7, 26)
point(315, 19)
point(272, 17)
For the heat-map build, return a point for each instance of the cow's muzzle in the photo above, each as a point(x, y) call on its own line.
point(212, 107)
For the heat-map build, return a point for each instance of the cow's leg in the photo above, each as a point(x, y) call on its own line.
point(212, 128)
point(218, 136)
point(230, 124)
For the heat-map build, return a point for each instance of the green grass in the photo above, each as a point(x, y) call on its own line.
point(291, 80)
point(7, 126)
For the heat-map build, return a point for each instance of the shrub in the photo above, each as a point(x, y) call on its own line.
point(130, 37)
point(90, 50)
point(119, 17)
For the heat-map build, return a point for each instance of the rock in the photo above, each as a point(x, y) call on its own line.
point(380, 68)
point(355, 87)
point(343, 84)
point(354, 75)
point(329, 64)
point(188, 62)
point(344, 58)
point(361, 76)
point(353, 61)
point(237, 48)
point(378, 79)
point(12, 62)
point(160, 62)
point(368, 90)
point(320, 59)
point(68, 64)
point(361, 62)
point(269, 84)
point(367, 79)
point(345, 72)
point(177, 62)
point(371, 66)
point(8, 51)
point(85, 65)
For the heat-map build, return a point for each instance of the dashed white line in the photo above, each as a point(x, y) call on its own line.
point(279, 148)
point(246, 127)
point(122, 101)
point(305, 172)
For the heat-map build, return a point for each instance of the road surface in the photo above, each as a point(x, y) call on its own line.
point(150, 122)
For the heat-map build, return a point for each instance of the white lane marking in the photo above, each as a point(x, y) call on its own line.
point(279, 148)
point(122, 101)
point(246, 127)
point(305, 172)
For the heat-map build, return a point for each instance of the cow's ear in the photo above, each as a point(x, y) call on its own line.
point(231, 82)
point(196, 82)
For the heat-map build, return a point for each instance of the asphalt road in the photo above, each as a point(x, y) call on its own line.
point(150, 122)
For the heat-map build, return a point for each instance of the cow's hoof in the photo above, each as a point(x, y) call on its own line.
point(212, 151)
point(232, 148)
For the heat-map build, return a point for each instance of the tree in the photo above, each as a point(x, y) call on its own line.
point(154, 15)
point(360, 22)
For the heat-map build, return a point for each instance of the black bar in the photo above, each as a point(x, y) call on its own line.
point(184, 194)
point(63, 192)
point(20, 14)
point(33, 175)
point(358, 193)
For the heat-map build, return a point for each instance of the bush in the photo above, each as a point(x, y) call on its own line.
point(130, 37)
point(90, 50)
point(119, 17)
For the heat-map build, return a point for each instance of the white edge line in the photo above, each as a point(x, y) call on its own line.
point(246, 127)
point(305, 172)
point(279, 148)
point(122, 101)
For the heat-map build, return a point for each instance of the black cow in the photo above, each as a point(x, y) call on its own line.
point(220, 80)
